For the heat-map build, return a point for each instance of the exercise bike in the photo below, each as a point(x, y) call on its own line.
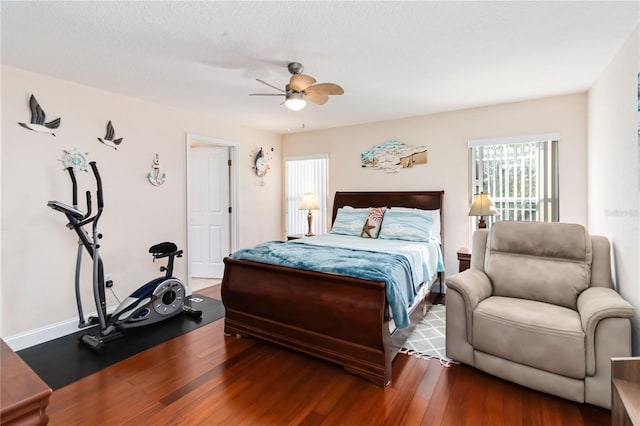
point(157, 300)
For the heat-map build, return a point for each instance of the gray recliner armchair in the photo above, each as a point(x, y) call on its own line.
point(538, 308)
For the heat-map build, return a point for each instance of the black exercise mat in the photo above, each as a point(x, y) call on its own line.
point(64, 360)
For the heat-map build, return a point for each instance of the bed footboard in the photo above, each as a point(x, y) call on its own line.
point(335, 318)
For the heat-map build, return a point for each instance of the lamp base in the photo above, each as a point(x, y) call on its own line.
point(481, 223)
point(309, 219)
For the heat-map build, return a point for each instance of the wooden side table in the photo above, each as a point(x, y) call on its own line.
point(464, 259)
point(24, 396)
point(625, 388)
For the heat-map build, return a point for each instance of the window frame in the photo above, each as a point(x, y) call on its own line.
point(321, 190)
point(547, 203)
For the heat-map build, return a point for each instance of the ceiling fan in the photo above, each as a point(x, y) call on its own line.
point(301, 88)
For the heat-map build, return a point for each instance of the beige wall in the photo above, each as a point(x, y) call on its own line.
point(446, 136)
point(38, 254)
point(614, 187)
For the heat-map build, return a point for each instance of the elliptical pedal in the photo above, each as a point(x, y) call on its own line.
point(98, 344)
point(196, 313)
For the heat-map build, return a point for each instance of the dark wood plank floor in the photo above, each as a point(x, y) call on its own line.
point(206, 378)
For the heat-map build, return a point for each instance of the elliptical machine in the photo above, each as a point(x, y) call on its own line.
point(157, 300)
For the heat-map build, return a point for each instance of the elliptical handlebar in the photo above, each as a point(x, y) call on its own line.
point(86, 216)
point(74, 193)
point(74, 185)
point(94, 168)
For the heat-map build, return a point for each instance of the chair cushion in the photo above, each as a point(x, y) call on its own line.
point(537, 334)
point(547, 262)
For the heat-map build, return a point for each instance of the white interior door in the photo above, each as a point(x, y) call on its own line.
point(209, 215)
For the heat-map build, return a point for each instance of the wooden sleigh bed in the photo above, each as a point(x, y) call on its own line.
point(340, 319)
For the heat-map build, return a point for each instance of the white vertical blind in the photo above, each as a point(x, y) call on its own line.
point(302, 175)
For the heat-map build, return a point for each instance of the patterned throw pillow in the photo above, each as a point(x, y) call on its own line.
point(372, 223)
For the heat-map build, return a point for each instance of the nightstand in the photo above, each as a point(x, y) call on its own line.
point(625, 383)
point(464, 259)
point(24, 395)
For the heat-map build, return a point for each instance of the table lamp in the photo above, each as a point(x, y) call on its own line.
point(309, 202)
point(482, 206)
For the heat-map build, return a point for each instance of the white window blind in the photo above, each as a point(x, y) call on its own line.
point(302, 175)
point(519, 174)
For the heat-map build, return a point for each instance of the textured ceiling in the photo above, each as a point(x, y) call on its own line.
point(393, 59)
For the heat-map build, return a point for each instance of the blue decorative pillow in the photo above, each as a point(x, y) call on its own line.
point(435, 214)
point(349, 221)
point(407, 224)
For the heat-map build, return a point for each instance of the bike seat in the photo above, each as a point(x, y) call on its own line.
point(163, 248)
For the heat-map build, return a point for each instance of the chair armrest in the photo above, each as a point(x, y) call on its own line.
point(594, 305)
point(598, 303)
point(474, 286)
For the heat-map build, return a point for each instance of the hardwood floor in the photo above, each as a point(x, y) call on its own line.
point(206, 378)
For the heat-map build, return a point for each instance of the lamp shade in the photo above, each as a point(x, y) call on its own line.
point(482, 206)
point(309, 202)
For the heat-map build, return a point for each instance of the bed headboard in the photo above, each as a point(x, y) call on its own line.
point(426, 200)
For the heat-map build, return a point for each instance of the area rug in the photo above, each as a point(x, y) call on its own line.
point(62, 361)
point(428, 338)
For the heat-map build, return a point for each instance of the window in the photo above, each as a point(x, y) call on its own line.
point(519, 174)
point(302, 175)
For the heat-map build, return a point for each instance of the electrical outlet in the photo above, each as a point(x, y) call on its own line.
point(108, 280)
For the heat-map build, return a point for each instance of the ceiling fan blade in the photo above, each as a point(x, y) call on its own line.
point(317, 98)
point(267, 94)
point(270, 85)
point(325, 88)
point(299, 82)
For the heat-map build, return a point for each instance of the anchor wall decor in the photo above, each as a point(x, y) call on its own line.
point(156, 178)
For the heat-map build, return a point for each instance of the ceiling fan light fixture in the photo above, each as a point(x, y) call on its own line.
point(295, 101)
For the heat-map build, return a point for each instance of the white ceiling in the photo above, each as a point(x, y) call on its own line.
point(393, 59)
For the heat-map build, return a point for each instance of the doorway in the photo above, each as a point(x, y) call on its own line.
point(211, 208)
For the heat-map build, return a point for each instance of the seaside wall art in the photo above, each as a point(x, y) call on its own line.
point(393, 156)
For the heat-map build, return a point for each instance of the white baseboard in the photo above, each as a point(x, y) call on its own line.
point(42, 334)
point(48, 332)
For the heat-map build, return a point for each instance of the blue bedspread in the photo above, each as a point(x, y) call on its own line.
point(393, 269)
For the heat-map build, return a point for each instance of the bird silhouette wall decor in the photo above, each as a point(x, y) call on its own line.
point(109, 137)
point(38, 118)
